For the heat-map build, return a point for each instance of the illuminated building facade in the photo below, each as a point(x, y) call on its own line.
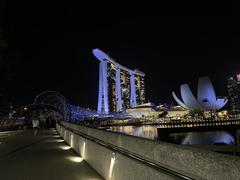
point(120, 88)
point(233, 88)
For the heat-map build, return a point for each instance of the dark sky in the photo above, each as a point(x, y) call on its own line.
point(52, 44)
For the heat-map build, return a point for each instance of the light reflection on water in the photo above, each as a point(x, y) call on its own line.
point(149, 132)
point(211, 137)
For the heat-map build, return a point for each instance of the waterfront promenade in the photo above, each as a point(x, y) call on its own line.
point(45, 156)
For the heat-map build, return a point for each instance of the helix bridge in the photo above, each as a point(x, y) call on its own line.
point(54, 104)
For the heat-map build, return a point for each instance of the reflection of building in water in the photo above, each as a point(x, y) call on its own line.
point(218, 137)
point(148, 132)
point(207, 138)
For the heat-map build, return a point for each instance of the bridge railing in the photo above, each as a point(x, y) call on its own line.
point(120, 156)
point(127, 154)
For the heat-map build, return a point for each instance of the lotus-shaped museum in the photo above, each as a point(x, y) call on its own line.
point(206, 97)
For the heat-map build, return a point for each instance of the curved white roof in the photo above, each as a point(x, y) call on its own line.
point(206, 97)
point(179, 101)
point(188, 97)
point(206, 94)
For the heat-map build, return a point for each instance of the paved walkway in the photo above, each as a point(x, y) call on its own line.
point(25, 157)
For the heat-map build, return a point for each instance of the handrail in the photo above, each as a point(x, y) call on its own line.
point(130, 155)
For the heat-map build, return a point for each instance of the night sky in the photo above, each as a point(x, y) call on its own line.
point(52, 46)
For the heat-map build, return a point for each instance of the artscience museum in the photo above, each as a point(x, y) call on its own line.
point(206, 97)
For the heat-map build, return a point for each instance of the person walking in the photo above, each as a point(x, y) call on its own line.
point(35, 125)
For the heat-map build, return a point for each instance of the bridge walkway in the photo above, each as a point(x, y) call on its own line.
point(24, 156)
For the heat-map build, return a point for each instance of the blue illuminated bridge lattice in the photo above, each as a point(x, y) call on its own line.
point(70, 112)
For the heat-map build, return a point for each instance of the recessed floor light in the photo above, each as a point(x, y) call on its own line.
point(76, 159)
point(65, 147)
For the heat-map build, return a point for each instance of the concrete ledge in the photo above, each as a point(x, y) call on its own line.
point(196, 163)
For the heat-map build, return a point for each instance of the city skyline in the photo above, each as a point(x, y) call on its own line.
point(53, 51)
point(113, 90)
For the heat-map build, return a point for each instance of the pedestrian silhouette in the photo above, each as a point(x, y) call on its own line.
point(35, 125)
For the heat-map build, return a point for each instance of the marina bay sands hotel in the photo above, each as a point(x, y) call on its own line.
point(120, 88)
